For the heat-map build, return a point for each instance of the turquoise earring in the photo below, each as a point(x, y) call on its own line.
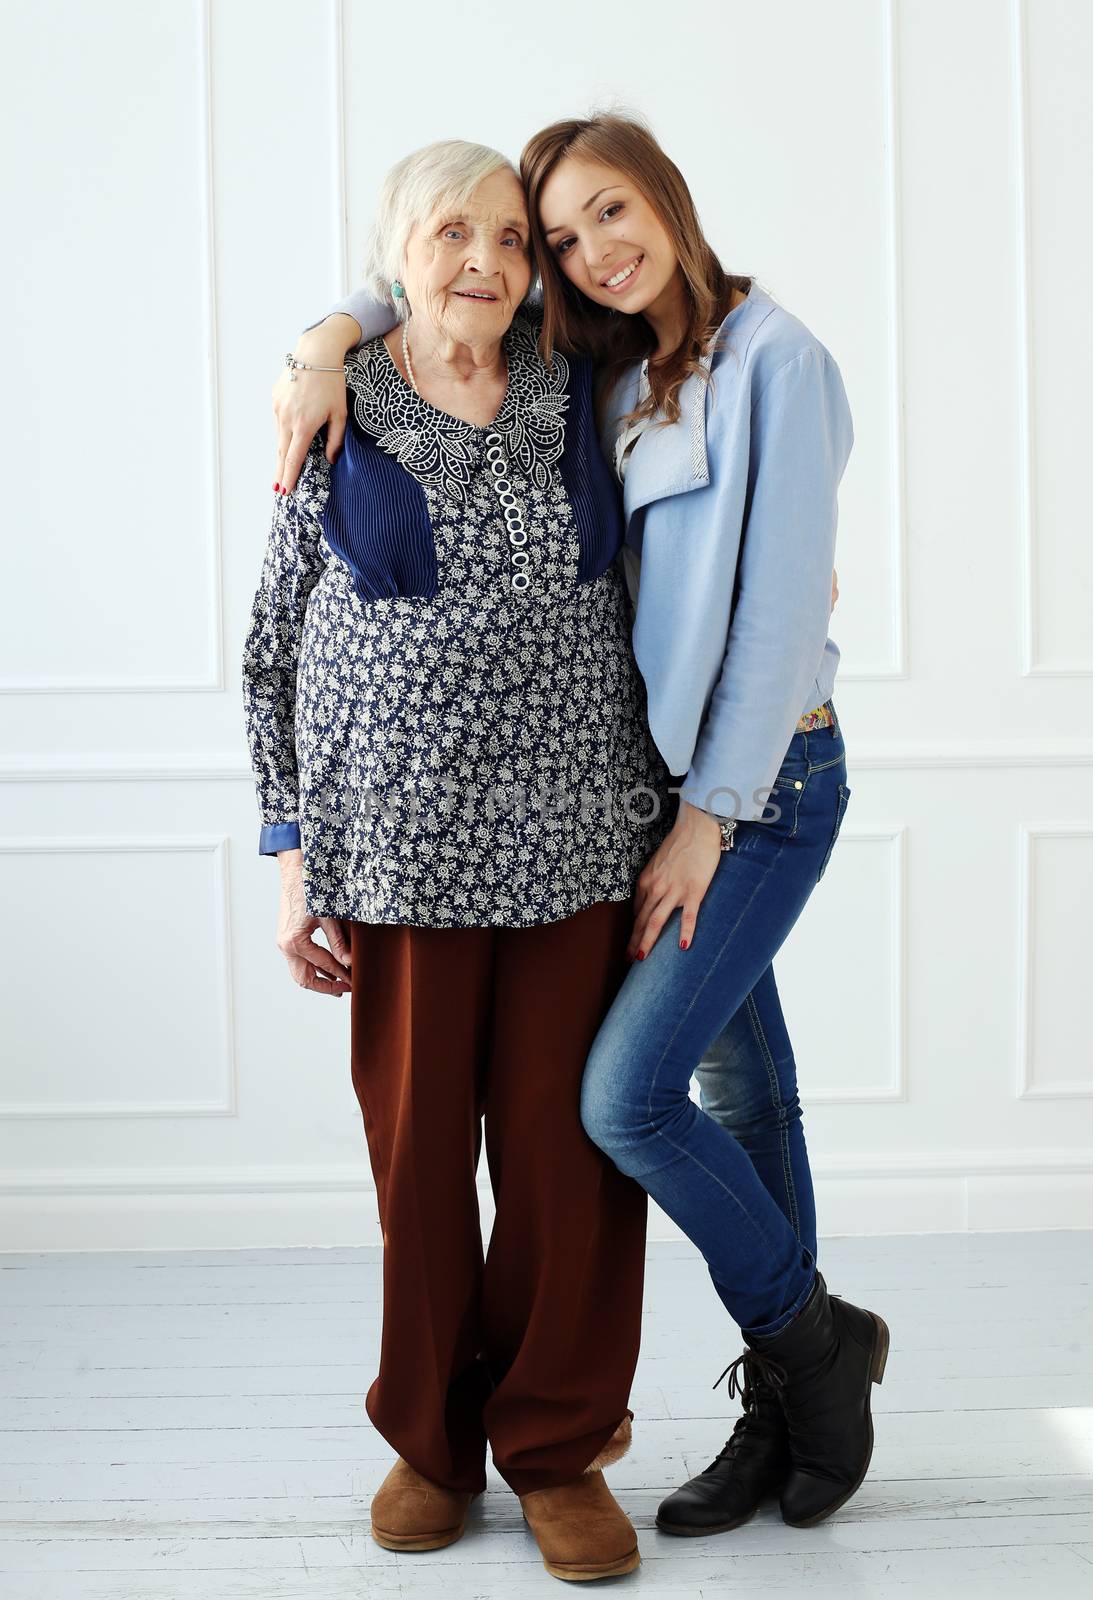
point(398, 291)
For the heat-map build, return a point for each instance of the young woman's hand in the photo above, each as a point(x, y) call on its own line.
point(678, 874)
point(312, 966)
point(301, 408)
point(834, 587)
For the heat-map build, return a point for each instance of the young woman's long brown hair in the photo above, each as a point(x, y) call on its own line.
point(572, 322)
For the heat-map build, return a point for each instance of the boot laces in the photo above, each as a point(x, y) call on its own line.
point(762, 1378)
point(757, 1369)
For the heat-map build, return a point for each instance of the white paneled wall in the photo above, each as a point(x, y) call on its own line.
point(187, 184)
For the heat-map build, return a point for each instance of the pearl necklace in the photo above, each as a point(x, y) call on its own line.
point(406, 358)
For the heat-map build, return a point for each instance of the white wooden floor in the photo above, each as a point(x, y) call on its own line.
point(191, 1424)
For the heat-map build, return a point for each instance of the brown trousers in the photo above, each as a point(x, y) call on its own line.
point(534, 1346)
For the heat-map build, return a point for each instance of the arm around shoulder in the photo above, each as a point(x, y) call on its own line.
point(374, 317)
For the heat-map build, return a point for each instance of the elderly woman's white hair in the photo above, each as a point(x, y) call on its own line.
point(446, 172)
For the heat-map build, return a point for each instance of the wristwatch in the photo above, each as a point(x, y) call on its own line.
point(727, 830)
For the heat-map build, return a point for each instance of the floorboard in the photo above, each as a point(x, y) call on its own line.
point(191, 1425)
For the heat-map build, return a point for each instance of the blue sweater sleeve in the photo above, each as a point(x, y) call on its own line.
point(801, 436)
point(374, 317)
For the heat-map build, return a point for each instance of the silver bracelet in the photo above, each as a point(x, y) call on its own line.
point(306, 366)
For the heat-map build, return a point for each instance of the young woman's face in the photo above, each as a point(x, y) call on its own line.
point(605, 236)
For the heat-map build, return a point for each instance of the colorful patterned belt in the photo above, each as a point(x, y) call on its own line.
point(820, 717)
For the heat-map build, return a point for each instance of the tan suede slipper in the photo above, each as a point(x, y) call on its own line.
point(581, 1530)
point(410, 1513)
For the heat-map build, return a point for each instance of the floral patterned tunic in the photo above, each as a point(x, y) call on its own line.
point(474, 757)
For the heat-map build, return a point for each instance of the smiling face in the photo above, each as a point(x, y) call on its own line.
point(605, 236)
point(468, 267)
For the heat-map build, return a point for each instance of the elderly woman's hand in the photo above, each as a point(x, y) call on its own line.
point(308, 962)
point(301, 408)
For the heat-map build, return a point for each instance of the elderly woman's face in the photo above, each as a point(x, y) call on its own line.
point(468, 269)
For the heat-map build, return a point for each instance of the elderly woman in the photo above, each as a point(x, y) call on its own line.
point(448, 733)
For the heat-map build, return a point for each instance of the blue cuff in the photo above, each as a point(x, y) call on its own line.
point(278, 836)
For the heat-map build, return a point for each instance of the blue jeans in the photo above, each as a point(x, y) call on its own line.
point(734, 1175)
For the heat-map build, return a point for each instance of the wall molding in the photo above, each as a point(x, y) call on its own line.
point(356, 1178)
point(1026, 421)
point(1026, 1087)
point(341, 165)
point(213, 680)
point(1027, 456)
point(897, 520)
point(320, 1207)
point(896, 1089)
point(864, 756)
point(221, 998)
point(878, 756)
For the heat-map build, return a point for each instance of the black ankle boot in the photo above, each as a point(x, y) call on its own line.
point(826, 1361)
point(752, 1465)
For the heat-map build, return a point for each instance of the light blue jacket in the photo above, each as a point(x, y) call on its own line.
point(732, 512)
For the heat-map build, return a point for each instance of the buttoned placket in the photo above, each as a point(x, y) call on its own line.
point(514, 517)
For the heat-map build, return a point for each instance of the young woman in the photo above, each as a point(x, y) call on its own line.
point(729, 429)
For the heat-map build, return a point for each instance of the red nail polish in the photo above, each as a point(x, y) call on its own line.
point(277, 488)
point(683, 943)
point(641, 955)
